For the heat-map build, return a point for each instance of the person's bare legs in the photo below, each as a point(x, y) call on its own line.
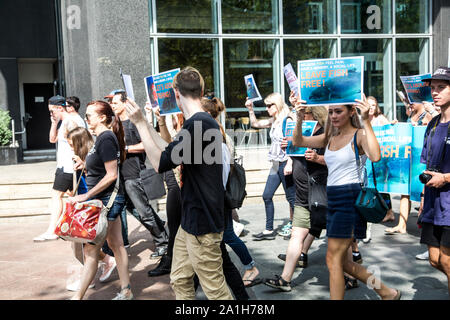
point(56, 207)
point(307, 243)
point(338, 262)
point(389, 216)
point(89, 269)
point(405, 208)
point(115, 242)
point(293, 252)
point(439, 259)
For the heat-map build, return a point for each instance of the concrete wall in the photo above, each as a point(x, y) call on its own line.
point(441, 32)
point(112, 35)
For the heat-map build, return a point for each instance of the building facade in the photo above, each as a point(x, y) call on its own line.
point(228, 39)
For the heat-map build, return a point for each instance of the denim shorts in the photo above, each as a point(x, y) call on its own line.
point(343, 221)
point(117, 207)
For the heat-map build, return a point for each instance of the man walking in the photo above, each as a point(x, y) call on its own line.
point(197, 243)
point(62, 123)
point(131, 168)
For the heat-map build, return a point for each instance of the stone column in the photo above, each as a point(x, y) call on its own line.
point(100, 37)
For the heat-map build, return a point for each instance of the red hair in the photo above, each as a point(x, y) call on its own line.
point(113, 122)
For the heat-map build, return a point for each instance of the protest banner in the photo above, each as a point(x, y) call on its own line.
point(399, 168)
point(164, 91)
point(150, 89)
point(252, 89)
point(308, 128)
point(417, 90)
point(127, 84)
point(291, 78)
point(331, 81)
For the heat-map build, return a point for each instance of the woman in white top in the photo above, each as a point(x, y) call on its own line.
point(281, 171)
point(343, 186)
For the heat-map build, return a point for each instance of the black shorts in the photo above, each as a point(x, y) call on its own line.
point(435, 236)
point(318, 221)
point(63, 181)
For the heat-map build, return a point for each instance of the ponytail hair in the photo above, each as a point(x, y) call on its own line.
point(215, 107)
point(112, 122)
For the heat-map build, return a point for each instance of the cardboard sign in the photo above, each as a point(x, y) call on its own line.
point(252, 89)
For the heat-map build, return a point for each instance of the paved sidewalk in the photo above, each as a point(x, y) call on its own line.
point(39, 271)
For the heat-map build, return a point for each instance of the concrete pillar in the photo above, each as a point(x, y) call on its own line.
point(441, 32)
point(107, 36)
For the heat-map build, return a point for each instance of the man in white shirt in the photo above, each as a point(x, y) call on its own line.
point(62, 123)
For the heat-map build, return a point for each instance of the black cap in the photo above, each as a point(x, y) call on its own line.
point(57, 101)
point(442, 73)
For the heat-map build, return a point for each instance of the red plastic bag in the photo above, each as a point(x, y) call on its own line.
point(83, 222)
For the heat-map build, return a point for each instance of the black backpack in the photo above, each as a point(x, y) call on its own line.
point(235, 192)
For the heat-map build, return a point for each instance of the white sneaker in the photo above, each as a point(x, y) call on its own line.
point(423, 256)
point(368, 233)
point(238, 228)
point(75, 286)
point(107, 270)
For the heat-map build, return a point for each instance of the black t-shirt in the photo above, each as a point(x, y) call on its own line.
point(106, 148)
point(134, 162)
point(202, 192)
point(301, 168)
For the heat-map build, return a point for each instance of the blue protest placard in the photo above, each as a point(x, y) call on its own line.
point(416, 167)
point(417, 90)
point(150, 89)
point(166, 96)
point(308, 128)
point(331, 81)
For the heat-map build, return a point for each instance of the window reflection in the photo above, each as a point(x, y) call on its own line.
point(377, 68)
point(361, 16)
point(249, 16)
point(180, 16)
point(304, 16)
point(411, 16)
point(412, 59)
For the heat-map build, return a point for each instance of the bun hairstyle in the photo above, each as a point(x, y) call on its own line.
point(111, 122)
point(214, 107)
point(73, 102)
point(82, 141)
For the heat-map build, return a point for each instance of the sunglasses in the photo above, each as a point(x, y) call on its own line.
point(268, 106)
point(87, 116)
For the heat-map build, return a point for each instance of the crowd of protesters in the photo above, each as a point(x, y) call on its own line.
point(112, 149)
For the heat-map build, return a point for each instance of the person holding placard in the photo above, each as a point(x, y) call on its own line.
point(343, 136)
point(281, 171)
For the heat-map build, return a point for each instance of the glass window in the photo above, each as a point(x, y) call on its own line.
point(249, 16)
point(412, 58)
point(180, 53)
point(366, 16)
point(243, 57)
point(193, 16)
point(295, 50)
point(411, 16)
point(304, 16)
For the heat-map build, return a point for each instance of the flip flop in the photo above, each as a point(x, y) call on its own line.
point(253, 282)
point(398, 295)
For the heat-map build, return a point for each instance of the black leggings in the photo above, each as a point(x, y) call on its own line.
point(173, 209)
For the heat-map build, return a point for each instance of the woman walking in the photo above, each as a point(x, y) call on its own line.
point(343, 136)
point(102, 173)
point(281, 171)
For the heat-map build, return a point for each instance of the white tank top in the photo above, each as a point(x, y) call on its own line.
point(342, 168)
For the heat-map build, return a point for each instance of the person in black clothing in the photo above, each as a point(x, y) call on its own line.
point(131, 168)
point(198, 240)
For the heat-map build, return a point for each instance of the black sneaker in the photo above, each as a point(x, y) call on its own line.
point(163, 267)
point(302, 260)
point(263, 236)
point(357, 258)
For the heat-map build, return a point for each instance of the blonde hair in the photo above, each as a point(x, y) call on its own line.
point(354, 120)
point(282, 107)
point(319, 113)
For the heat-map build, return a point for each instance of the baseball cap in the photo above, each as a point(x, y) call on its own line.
point(442, 73)
point(113, 93)
point(57, 101)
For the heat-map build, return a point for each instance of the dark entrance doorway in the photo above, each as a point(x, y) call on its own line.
point(37, 117)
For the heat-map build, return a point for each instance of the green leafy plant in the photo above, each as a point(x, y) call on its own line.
point(5, 131)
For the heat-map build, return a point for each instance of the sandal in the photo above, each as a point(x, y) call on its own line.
point(278, 283)
point(252, 282)
point(350, 283)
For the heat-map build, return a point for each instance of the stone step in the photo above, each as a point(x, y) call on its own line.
point(18, 205)
point(25, 191)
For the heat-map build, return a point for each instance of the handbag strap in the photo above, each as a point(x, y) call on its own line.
point(116, 190)
point(79, 179)
point(358, 163)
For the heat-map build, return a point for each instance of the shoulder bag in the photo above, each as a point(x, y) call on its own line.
point(370, 204)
